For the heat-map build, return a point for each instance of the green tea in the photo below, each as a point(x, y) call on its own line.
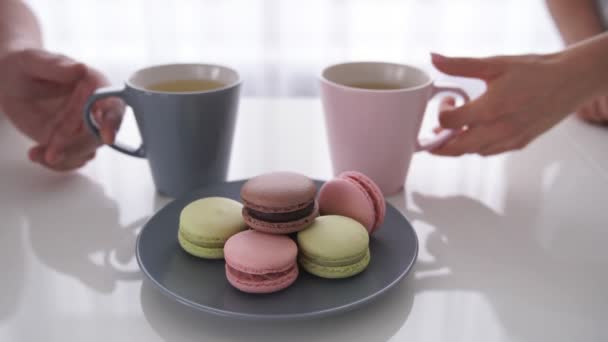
point(180, 86)
point(376, 85)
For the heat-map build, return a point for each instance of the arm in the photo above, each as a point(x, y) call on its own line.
point(19, 28)
point(576, 20)
point(589, 59)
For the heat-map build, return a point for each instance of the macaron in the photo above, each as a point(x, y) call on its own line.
point(354, 195)
point(279, 202)
point(257, 262)
point(206, 224)
point(334, 247)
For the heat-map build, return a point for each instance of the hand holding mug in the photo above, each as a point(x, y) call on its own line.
point(43, 94)
point(525, 96)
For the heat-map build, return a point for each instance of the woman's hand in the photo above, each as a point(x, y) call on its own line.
point(43, 94)
point(525, 96)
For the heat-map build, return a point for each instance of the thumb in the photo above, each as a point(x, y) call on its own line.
point(51, 67)
point(483, 68)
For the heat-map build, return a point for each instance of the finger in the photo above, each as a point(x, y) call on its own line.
point(476, 112)
point(477, 138)
point(603, 109)
point(590, 113)
point(596, 111)
point(65, 166)
point(51, 67)
point(72, 119)
point(36, 154)
point(82, 150)
point(71, 157)
point(460, 144)
point(63, 147)
point(483, 68)
point(586, 113)
point(502, 148)
point(603, 106)
point(109, 114)
point(512, 144)
point(110, 123)
point(453, 147)
point(48, 90)
point(447, 103)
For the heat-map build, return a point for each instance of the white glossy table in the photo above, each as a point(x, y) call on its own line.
point(513, 248)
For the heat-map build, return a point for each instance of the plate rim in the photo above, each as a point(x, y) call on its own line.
point(276, 317)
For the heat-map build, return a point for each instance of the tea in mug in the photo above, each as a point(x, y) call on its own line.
point(180, 86)
point(376, 85)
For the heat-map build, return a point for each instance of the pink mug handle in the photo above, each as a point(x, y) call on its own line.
point(446, 134)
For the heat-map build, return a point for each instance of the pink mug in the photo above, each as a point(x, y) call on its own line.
point(373, 113)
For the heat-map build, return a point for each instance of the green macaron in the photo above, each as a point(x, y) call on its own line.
point(206, 224)
point(334, 247)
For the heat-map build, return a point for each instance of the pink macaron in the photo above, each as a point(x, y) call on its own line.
point(353, 194)
point(257, 262)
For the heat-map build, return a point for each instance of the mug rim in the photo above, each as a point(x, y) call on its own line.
point(324, 79)
point(130, 84)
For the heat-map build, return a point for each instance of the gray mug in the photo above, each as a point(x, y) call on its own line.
point(186, 136)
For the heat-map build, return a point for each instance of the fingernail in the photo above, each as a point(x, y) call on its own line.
point(66, 63)
point(435, 57)
point(71, 64)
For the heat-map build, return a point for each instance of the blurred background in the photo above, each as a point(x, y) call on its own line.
point(280, 46)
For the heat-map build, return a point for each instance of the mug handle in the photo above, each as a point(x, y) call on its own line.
point(446, 134)
point(94, 127)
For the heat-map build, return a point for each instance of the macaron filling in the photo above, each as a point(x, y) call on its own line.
point(322, 270)
point(282, 217)
point(354, 259)
point(199, 242)
point(200, 251)
point(258, 277)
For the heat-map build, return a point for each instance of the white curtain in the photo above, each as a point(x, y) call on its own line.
point(280, 46)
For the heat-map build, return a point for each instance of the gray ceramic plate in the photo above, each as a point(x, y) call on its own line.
point(201, 284)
